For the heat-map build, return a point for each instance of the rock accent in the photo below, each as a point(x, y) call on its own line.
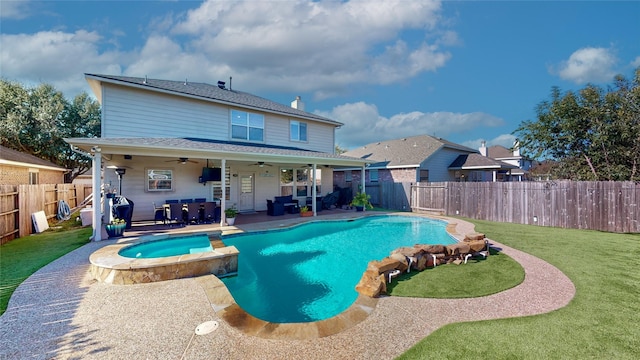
point(474, 237)
point(418, 257)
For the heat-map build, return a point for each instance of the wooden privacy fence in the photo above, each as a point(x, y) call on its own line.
point(596, 205)
point(18, 202)
point(388, 195)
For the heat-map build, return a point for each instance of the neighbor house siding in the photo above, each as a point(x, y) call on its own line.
point(136, 113)
point(398, 175)
point(18, 175)
point(438, 164)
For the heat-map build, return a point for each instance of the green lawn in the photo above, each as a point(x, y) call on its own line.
point(602, 321)
point(479, 277)
point(22, 257)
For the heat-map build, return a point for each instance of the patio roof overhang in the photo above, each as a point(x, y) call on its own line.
point(212, 149)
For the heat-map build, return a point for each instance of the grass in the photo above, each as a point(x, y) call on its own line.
point(602, 321)
point(479, 277)
point(22, 257)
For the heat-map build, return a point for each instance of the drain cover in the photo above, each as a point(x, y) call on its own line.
point(206, 327)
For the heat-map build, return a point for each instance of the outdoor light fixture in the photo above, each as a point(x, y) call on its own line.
point(535, 219)
point(120, 172)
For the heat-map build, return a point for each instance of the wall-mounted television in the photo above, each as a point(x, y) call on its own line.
point(211, 174)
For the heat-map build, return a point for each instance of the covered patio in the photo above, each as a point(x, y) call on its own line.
point(150, 171)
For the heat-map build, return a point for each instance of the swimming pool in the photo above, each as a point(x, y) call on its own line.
point(309, 272)
point(193, 244)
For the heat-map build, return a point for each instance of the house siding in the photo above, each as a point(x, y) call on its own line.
point(133, 113)
point(138, 113)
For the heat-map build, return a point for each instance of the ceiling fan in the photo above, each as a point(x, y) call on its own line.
point(260, 164)
point(183, 160)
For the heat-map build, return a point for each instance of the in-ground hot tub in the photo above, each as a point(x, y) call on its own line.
point(109, 266)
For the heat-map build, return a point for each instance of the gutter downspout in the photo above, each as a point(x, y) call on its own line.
point(362, 179)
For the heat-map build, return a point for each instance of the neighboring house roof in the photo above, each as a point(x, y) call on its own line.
point(206, 148)
point(206, 92)
point(405, 152)
point(499, 152)
point(16, 158)
point(477, 161)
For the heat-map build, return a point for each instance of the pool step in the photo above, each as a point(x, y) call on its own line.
point(216, 244)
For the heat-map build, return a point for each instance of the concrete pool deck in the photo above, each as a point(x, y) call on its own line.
point(60, 313)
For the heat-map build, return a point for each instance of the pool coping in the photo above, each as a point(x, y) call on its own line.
point(227, 309)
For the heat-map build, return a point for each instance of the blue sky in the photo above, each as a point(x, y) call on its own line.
point(466, 71)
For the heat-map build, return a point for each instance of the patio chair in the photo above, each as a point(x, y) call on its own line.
point(330, 200)
point(159, 214)
point(199, 200)
point(275, 208)
point(193, 213)
point(186, 201)
point(209, 213)
point(176, 215)
point(318, 203)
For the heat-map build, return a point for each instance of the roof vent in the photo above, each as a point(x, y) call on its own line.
point(221, 85)
point(145, 79)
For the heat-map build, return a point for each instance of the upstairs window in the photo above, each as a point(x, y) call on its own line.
point(247, 126)
point(298, 131)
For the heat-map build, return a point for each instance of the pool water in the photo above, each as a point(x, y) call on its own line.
point(168, 247)
point(309, 272)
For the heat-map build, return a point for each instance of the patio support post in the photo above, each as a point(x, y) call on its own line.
point(97, 185)
point(223, 200)
point(495, 176)
point(313, 191)
point(362, 179)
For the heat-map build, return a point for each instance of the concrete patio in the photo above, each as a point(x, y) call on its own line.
point(61, 313)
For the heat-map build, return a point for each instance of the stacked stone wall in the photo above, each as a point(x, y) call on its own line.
point(418, 257)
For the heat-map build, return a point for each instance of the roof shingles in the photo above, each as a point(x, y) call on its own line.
point(212, 93)
point(20, 157)
point(410, 151)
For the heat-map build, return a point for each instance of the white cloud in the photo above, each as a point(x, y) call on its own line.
point(505, 140)
point(58, 58)
point(589, 65)
point(323, 46)
point(636, 62)
point(14, 9)
point(364, 124)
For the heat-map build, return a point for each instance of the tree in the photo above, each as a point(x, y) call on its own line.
point(592, 134)
point(339, 150)
point(36, 121)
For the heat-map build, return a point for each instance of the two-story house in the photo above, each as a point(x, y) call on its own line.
point(421, 158)
point(510, 156)
point(165, 140)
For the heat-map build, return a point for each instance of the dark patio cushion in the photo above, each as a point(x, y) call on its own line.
point(283, 199)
